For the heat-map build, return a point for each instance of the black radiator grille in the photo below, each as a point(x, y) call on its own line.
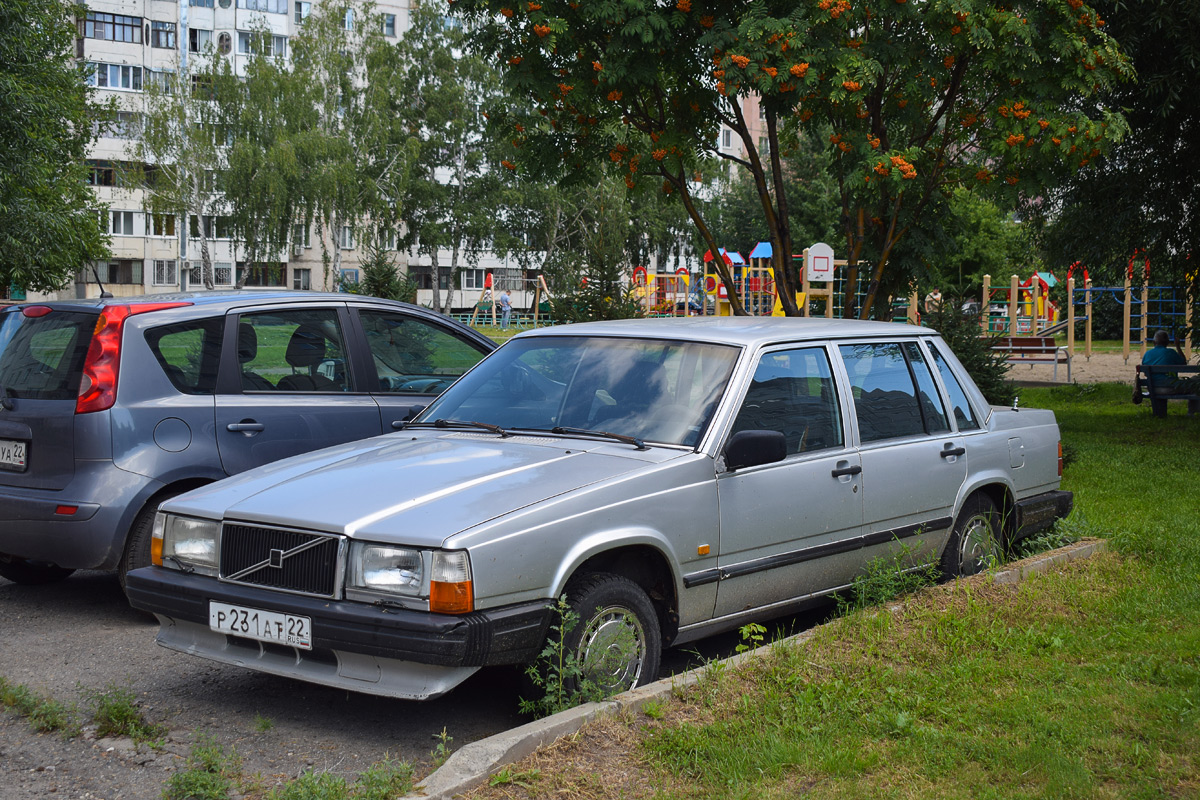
point(280, 559)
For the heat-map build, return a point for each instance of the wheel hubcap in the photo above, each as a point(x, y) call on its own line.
point(613, 649)
point(978, 549)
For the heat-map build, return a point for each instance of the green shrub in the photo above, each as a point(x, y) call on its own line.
point(988, 368)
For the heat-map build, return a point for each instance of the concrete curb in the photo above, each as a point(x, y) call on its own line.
point(472, 764)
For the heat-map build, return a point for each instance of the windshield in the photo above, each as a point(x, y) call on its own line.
point(653, 389)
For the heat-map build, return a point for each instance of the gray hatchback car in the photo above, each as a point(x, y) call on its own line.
point(108, 407)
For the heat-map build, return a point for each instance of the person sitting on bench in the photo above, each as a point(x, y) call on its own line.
point(1161, 355)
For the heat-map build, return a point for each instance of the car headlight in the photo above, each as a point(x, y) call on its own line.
point(185, 543)
point(384, 568)
point(409, 574)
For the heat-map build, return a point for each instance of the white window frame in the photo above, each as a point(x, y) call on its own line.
point(302, 279)
point(166, 272)
point(346, 239)
point(200, 40)
point(389, 25)
point(122, 223)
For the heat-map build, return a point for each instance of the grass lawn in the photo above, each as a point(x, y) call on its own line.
point(1080, 683)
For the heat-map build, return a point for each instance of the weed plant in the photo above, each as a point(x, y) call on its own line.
point(557, 673)
point(209, 774)
point(117, 714)
point(44, 714)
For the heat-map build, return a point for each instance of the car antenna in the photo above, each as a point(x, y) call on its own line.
point(1016, 399)
point(104, 293)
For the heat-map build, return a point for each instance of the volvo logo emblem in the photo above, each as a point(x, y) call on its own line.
point(276, 559)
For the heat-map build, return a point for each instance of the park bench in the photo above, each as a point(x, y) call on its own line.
point(1034, 350)
point(1142, 387)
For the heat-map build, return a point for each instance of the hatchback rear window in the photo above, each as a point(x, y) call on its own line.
point(41, 357)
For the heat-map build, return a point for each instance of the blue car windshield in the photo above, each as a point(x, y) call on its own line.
point(656, 390)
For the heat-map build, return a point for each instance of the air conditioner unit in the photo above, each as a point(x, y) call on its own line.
point(297, 249)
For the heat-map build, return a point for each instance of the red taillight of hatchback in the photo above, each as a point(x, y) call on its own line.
point(98, 388)
point(1060, 459)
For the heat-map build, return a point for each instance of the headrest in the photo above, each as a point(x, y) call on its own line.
point(306, 347)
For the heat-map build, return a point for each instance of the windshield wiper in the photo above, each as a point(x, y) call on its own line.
point(620, 437)
point(458, 423)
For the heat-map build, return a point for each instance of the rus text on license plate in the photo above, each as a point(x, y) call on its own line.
point(265, 626)
point(12, 455)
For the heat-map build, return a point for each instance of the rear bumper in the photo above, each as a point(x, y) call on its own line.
point(343, 630)
point(1037, 513)
point(33, 523)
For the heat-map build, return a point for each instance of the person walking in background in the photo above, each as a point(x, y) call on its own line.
point(933, 301)
point(505, 308)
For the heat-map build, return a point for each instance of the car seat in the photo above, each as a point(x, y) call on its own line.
point(305, 350)
point(247, 352)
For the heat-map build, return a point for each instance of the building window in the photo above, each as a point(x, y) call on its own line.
point(162, 224)
point(387, 238)
point(165, 273)
point(101, 173)
point(261, 274)
point(473, 279)
point(112, 27)
point(300, 237)
point(122, 223)
point(214, 228)
point(199, 40)
point(201, 3)
point(268, 6)
point(389, 24)
point(222, 273)
point(114, 76)
point(249, 43)
point(302, 279)
point(346, 240)
point(162, 34)
point(121, 271)
point(726, 138)
point(303, 9)
point(348, 19)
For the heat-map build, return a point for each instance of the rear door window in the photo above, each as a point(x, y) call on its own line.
point(42, 354)
point(293, 351)
point(189, 353)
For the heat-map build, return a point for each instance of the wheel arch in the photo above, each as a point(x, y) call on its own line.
point(1001, 494)
point(647, 566)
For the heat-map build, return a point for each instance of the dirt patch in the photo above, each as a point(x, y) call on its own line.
point(1100, 368)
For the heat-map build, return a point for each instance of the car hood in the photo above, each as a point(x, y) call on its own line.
point(415, 488)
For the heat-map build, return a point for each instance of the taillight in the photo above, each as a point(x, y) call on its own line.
point(1060, 464)
point(98, 387)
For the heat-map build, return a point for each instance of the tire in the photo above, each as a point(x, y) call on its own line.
point(974, 544)
point(31, 573)
point(137, 544)
point(617, 640)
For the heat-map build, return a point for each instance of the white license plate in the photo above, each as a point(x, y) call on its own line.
point(12, 455)
point(265, 626)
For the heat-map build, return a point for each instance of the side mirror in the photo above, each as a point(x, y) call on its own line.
point(413, 411)
point(752, 448)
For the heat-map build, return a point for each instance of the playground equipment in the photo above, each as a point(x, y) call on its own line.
point(1022, 307)
point(753, 281)
point(662, 293)
point(1010, 311)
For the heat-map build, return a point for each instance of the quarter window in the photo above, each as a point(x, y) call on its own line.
point(189, 353)
point(963, 415)
point(793, 392)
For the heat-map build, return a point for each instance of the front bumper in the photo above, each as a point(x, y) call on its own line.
point(374, 649)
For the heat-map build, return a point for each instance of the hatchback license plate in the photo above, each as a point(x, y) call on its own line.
point(265, 626)
point(12, 455)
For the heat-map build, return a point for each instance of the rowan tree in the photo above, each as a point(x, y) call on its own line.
point(918, 98)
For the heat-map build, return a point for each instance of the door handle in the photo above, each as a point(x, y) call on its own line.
point(953, 451)
point(840, 471)
point(245, 426)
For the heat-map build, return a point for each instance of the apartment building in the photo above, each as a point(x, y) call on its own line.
point(130, 44)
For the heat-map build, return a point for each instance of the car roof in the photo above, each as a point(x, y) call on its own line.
point(744, 331)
